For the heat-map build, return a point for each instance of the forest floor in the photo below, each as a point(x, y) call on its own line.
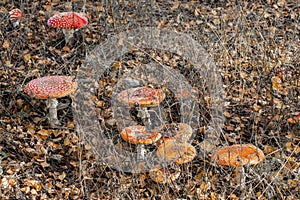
point(255, 48)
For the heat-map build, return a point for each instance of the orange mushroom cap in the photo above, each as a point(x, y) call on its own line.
point(15, 13)
point(165, 175)
point(181, 132)
point(138, 135)
point(173, 151)
point(144, 96)
point(68, 20)
point(50, 87)
point(238, 155)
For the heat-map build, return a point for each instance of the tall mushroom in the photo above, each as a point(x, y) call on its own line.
point(140, 136)
point(50, 88)
point(15, 15)
point(237, 156)
point(69, 22)
point(141, 98)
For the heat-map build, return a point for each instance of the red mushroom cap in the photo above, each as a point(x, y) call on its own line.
point(238, 155)
point(15, 13)
point(139, 135)
point(144, 96)
point(50, 87)
point(68, 20)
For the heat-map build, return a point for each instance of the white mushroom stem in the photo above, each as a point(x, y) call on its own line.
point(145, 116)
point(16, 23)
point(69, 33)
point(52, 105)
point(240, 176)
point(141, 152)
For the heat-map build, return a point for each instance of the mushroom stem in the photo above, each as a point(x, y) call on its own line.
point(68, 34)
point(145, 116)
point(52, 105)
point(16, 23)
point(240, 176)
point(141, 151)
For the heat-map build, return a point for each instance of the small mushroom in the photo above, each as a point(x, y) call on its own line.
point(173, 151)
point(15, 15)
point(165, 175)
point(140, 98)
point(69, 22)
point(181, 132)
point(50, 88)
point(237, 156)
point(140, 136)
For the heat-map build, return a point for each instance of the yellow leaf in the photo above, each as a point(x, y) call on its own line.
point(12, 182)
point(5, 44)
point(268, 149)
point(25, 189)
point(175, 5)
point(277, 85)
point(227, 114)
point(288, 146)
point(276, 82)
point(243, 74)
point(43, 134)
point(62, 176)
point(67, 141)
point(27, 57)
point(204, 186)
point(256, 107)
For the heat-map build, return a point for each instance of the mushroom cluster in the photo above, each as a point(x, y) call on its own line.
point(52, 87)
point(173, 149)
point(140, 98)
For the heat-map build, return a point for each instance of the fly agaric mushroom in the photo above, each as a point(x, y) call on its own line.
point(142, 97)
point(180, 132)
point(69, 22)
point(237, 156)
point(139, 135)
point(165, 174)
point(50, 88)
point(15, 15)
point(145, 96)
point(173, 151)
